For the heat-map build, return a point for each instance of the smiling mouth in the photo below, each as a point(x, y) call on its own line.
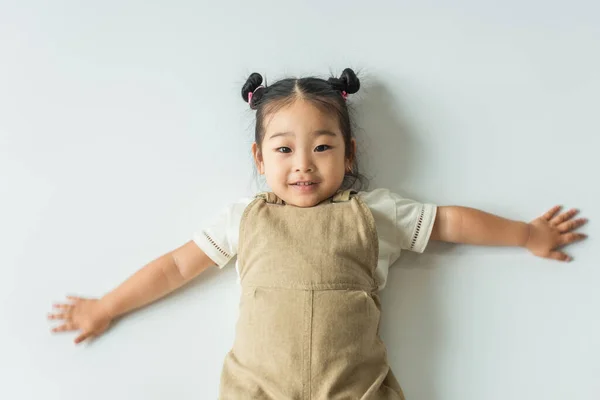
point(304, 183)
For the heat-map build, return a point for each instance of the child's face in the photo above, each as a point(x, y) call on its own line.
point(301, 143)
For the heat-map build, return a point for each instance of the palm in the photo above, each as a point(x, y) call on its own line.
point(553, 230)
point(85, 315)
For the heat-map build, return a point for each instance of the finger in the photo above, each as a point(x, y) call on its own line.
point(69, 326)
point(59, 316)
point(563, 217)
point(81, 338)
point(572, 237)
point(74, 298)
point(559, 255)
point(551, 212)
point(63, 306)
point(570, 225)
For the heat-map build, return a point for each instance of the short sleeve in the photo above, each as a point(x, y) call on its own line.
point(414, 221)
point(219, 239)
point(410, 222)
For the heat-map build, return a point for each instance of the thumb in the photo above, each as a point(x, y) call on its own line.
point(559, 255)
point(81, 338)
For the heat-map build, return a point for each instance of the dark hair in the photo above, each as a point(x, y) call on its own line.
point(328, 95)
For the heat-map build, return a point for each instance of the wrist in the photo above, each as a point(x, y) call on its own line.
point(108, 306)
point(527, 230)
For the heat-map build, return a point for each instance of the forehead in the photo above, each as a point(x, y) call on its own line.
point(300, 117)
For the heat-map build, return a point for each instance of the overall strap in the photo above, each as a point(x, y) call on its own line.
point(343, 195)
point(338, 197)
point(270, 197)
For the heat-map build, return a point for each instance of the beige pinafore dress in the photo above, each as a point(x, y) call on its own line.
point(308, 325)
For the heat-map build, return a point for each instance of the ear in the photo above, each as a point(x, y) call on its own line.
point(258, 159)
point(350, 159)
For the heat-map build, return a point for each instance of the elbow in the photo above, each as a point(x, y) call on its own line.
point(447, 225)
point(173, 273)
point(189, 261)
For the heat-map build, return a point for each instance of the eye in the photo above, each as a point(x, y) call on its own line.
point(322, 147)
point(283, 149)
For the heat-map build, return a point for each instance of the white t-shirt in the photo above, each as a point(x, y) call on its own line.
point(402, 224)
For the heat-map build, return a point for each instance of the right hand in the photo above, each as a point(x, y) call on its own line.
point(86, 315)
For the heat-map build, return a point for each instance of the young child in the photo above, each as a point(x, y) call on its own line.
point(312, 254)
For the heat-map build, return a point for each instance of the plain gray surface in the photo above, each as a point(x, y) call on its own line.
point(122, 132)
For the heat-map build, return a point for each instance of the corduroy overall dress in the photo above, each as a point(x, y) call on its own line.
point(308, 325)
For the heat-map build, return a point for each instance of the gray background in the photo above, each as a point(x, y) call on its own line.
point(122, 132)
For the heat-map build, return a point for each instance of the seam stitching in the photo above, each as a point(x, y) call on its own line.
point(418, 229)
point(216, 246)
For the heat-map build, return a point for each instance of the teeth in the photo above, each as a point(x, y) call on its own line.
point(304, 183)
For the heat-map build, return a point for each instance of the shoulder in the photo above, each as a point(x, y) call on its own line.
point(230, 213)
point(374, 196)
point(381, 199)
point(380, 196)
point(411, 220)
point(382, 206)
point(238, 206)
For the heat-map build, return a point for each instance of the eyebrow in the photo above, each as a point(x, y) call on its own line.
point(316, 133)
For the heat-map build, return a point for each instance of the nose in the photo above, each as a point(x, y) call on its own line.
point(303, 162)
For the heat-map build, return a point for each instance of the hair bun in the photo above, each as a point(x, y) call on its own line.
point(351, 80)
point(347, 82)
point(252, 83)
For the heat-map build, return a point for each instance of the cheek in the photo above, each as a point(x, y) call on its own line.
point(339, 160)
point(271, 162)
point(274, 166)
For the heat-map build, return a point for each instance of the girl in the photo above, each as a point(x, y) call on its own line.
point(312, 254)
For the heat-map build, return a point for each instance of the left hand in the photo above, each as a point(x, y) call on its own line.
point(551, 231)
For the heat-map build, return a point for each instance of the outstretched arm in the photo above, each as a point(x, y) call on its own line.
point(541, 236)
point(155, 280)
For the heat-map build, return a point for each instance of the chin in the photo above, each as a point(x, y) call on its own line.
point(305, 203)
point(303, 200)
point(297, 198)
